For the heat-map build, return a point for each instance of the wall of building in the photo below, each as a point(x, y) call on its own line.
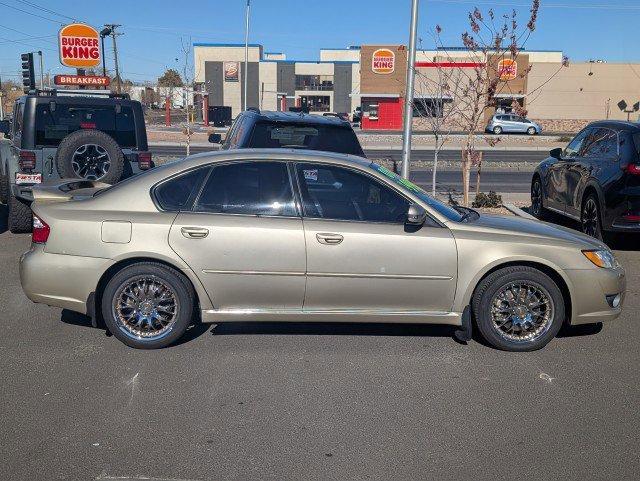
point(218, 52)
point(268, 72)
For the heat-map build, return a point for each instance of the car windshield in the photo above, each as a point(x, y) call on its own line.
point(447, 211)
point(329, 138)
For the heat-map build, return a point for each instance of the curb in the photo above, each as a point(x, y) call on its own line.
point(518, 211)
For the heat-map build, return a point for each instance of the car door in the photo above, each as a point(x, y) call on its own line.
point(244, 238)
point(360, 254)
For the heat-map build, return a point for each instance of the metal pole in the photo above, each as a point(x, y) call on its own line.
point(115, 55)
point(246, 55)
point(408, 97)
point(41, 70)
point(104, 65)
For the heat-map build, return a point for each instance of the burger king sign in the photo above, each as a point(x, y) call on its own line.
point(79, 46)
point(383, 61)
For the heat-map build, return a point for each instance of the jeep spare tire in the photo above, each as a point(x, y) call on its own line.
point(90, 155)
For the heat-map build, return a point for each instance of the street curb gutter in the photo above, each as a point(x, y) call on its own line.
point(519, 212)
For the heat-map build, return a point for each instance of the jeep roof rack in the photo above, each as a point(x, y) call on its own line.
point(78, 93)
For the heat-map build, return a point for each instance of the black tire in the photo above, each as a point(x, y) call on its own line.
point(531, 131)
point(491, 286)
point(103, 142)
point(590, 219)
point(20, 217)
point(497, 130)
point(4, 189)
point(177, 284)
point(537, 208)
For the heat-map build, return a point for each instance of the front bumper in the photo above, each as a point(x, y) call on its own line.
point(60, 280)
point(589, 290)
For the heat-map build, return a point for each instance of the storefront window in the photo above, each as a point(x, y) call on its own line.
point(314, 82)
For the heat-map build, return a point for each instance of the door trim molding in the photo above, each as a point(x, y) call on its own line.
point(254, 273)
point(378, 276)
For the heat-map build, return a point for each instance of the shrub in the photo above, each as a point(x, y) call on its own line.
point(487, 200)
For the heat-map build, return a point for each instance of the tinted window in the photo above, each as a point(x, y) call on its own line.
point(178, 193)
point(331, 192)
point(575, 146)
point(53, 124)
point(314, 137)
point(600, 143)
point(17, 118)
point(237, 132)
point(255, 188)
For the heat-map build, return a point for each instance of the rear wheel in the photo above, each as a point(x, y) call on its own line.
point(537, 210)
point(20, 218)
point(590, 220)
point(497, 130)
point(148, 305)
point(518, 308)
point(4, 189)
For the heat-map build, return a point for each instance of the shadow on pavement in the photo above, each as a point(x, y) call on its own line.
point(4, 212)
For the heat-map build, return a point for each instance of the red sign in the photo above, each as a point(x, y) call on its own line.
point(79, 46)
point(507, 69)
point(383, 61)
point(92, 80)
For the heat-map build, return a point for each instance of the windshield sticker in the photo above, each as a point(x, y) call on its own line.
point(311, 174)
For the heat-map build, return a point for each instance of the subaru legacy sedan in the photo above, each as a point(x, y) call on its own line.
point(291, 235)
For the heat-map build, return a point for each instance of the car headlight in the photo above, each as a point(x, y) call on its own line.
point(602, 258)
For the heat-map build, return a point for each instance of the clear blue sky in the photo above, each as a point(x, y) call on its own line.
point(153, 29)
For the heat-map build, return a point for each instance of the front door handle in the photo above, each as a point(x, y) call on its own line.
point(194, 232)
point(329, 239)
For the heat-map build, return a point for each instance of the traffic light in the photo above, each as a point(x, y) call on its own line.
point(28, 72)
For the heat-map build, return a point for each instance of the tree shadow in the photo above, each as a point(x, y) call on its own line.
point(580, 330)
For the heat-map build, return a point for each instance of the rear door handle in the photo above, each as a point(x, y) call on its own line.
point(194, 232)
point(329, 239)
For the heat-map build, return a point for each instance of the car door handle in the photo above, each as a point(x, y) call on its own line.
point(329, 239)
point(194, 232)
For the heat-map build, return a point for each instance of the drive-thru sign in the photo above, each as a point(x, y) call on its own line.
point(79, 46)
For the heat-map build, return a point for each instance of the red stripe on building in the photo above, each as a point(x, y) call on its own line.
point(449, 64)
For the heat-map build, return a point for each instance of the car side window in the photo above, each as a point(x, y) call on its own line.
point(178, 193)
point(333, 192)
point(574, 148)
point(232, 131)
point(251, 188)
point(17, 120)
point(601, 143)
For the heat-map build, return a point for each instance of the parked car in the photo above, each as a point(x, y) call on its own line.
point(292, 235)
point(511, 124)
point(86, 135)
point(594, 180)
point(255, 129)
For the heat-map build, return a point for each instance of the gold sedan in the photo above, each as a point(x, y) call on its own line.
point(289, 235)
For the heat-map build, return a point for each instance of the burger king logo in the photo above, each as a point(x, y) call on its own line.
point(79, 46)
point(383, 61)
point(507, 69)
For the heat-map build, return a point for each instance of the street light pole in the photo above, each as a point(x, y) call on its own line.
point(408, 97)
point(41, 70)
point(246, 55)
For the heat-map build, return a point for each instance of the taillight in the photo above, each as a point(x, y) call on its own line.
point(27, 160)
point(41, 231)
point(144, 160)
point(632, 169)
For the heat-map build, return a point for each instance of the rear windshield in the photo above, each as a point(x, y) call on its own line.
point(54, 121)
point(314, 137)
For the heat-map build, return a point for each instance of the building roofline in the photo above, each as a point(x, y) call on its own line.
point(313, 61)
point(209, 44)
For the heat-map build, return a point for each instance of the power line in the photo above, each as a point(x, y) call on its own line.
point(545, 5)
point(31, 13)
point(40, 7)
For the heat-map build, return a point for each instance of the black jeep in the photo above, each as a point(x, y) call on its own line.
point(88, 135)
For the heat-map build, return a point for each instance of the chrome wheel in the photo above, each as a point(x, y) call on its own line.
point(536, 198)
point(590, 218)
point(145, 308)
point(522, 311)
point(91, 162)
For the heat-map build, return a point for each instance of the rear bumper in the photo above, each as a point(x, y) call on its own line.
point(589, 291)
point(60, 280)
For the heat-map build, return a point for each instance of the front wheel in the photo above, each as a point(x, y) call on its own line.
point(497, 130)
point(590, 221)
point(148, 305)
point(531, 131)
point(518, 308)
point(537, 210)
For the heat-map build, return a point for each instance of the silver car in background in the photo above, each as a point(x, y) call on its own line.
point(294, 235)
point(512, 124)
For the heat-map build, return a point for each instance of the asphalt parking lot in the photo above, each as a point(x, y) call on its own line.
point(297, 402)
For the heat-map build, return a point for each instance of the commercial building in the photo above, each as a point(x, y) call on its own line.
point(561, 97)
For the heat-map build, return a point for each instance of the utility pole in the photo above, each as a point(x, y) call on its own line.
point(1, 109)
point(408, 97)
point(246, 55)
point(41, 70)
point(112, 31)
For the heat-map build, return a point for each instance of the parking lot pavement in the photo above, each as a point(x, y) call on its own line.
point(298, 402)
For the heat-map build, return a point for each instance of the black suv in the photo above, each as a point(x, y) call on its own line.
point(594, 180)
point(255, 129)
point(88, 135)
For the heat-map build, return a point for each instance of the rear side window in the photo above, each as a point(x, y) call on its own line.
point(601, 143)
point(54, 121)
point(17, 118)
point(178, 193)
point(307, 136)
point(252, 188)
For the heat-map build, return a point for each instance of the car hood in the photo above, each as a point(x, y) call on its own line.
point(520, 226)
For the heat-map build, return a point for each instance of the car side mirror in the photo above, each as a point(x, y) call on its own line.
point(416, 215)
point(5, 127)
point(215, 138)
point(556, 153)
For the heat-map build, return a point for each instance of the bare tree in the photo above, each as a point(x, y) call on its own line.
point(491, 44)
point(187, 75)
